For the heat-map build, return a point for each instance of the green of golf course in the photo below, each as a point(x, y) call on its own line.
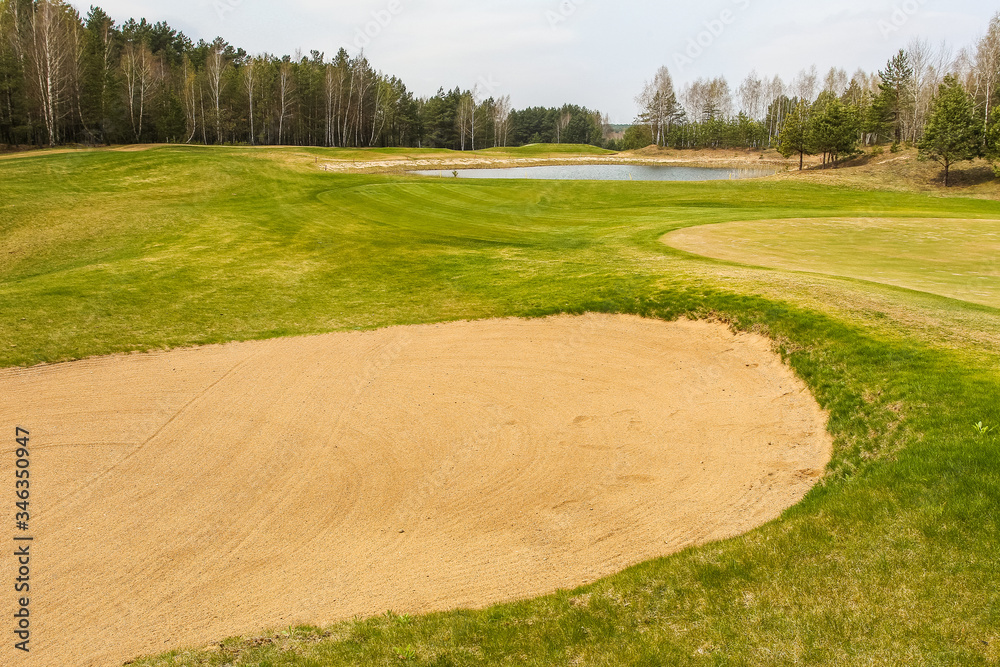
point(953, 258)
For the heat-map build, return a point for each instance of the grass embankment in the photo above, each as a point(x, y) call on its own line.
point(891, 560)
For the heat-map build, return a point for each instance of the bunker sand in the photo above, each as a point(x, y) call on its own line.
point(186, 496)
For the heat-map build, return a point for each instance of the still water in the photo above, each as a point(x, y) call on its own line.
point(604, 172)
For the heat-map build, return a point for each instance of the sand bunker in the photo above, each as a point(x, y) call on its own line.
point(186, 496)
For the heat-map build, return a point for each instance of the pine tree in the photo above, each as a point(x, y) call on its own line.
point(953, 133)
point(897, 78)
point(99, 85)
point(794, 135)
point(833, 129)
point(993, 140)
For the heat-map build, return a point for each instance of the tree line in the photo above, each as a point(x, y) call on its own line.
point(943, 102)
point(67, 78)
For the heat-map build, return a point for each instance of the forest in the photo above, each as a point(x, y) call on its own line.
point(72, 79)
point(929, 97)
point(66, 78)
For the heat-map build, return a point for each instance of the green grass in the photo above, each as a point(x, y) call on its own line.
point(891, 560)
point(950, 257)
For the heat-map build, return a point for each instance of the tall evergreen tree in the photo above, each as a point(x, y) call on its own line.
point(953, 133)
point(833, 128)
point(992, 143)
point(895, 98)
point(98, 72)
point(794, 136)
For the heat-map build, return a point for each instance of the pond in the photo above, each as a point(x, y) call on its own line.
point(604, 172)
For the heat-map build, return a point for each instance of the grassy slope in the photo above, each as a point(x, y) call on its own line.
point(906, 171)
point(891, 560)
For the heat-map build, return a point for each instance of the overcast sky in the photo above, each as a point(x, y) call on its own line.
point(588, 52)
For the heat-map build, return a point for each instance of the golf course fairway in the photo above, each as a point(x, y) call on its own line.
point(114, 258)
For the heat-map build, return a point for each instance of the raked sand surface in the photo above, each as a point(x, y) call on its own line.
point(182, 497)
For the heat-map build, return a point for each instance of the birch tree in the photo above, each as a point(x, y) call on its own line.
point(337, 77)
point(249, 78)
point(348, 73)
point(138, 74)
point(382, 108)
point(835, 82)
point(987, 65)
point(805, 83)
point(501, 121)
point(51, 61)
point(777, 107)
point(16, 20)
point(563, 119)
point(474, 94)
point(856, 89)
point(752, 96)
point(189, 98)
point(215, 68)
point(464, 117)
point(285, 92)
point(929, 67)
point(708, 99)
point(658, 105)
point(331, 96)
point(363, 79)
